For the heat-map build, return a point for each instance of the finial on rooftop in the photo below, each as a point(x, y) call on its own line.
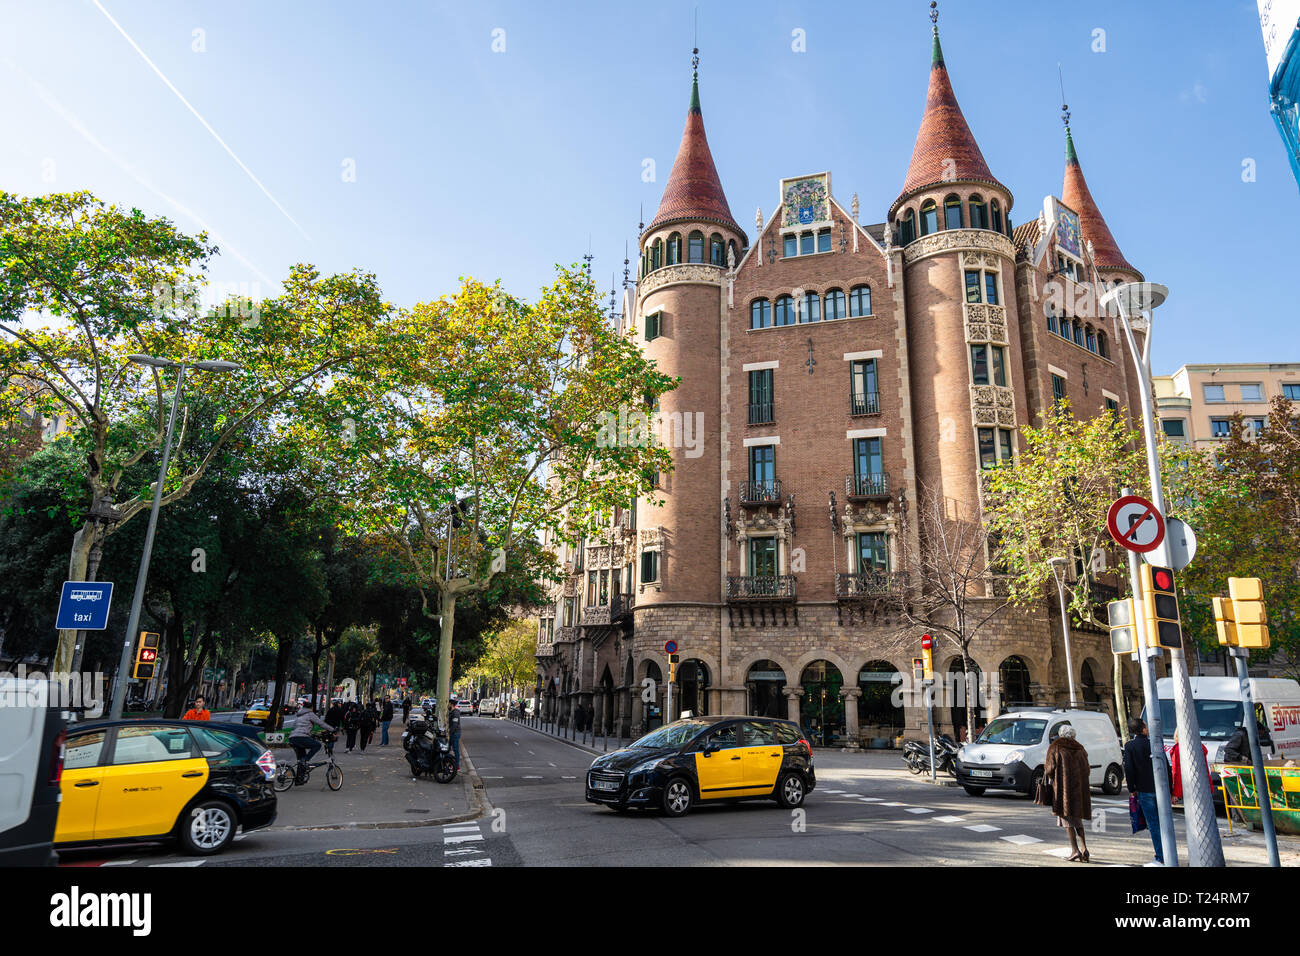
point(934, 15)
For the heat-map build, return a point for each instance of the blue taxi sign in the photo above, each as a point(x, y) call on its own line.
point(83, 605)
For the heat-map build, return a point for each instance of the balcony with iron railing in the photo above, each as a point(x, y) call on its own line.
point(867, 584)
point(860, 487)
point(762, 413)
point(867, 403)
point(619, 606)
point(761, 587)
point(760, 492)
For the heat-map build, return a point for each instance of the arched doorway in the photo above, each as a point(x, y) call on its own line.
point(607, 701)
point(766, 684)
point(1013, 673)
point(880, 723)
point(821, 711)
point(1088, 684)
point(965, 692)
point(693, 688)
point(653, 711)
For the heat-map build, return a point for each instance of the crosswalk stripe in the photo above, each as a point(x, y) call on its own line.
point(462, 838)
point(983, 828)
point(949, 819)
point(181, 863)
point(471, 828)
point(1061, 851)
point(1021, 839)
point(919, 810)
point(483, 862)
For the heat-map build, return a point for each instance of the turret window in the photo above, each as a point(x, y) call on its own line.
point(783, 314)
point(996, 212)
point(907, 228)
point(674, 248)
point(988, 365)
point(929, 217)
point(860, 300)
point(952, 212)
point(657, 257)
point(717, 252)
point(985, 291)
point(979, 216)
point(760, 314)
point(695, 247)
point(835, 305)
point(812, 308)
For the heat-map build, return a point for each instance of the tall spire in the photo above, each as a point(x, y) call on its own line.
point(945, 147)
point(694, 190)
point(1076, 195)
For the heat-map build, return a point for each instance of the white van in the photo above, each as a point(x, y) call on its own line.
point(1219, 713)
point(1009, 754)
point(31, 767)
point(487, 707)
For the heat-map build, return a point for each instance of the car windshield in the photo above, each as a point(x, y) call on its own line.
point(674, 735)
point(1218, 718)
point(1013, 730)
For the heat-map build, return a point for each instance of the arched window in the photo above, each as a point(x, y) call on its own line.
point(657, 257)
point(1014, 673)
point(674, 248)
point(812, 308)
point(979, 214)
point(1102, 349)
point(860, 300)
point(1091, 339)
point(695, 247)
point(835, 305)
point(760, 314)
point(783, 314)
point(717, 251)
point(929, 217)
point(952, 212)
point(1051, 321)
point(1078, 332)
point(997, 215)
point(907, 228)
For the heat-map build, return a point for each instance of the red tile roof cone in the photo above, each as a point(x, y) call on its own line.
point(694, 191)
point(1075, 194)
point(945, 147)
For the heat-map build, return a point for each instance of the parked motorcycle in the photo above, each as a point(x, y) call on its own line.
point(917, 755)
point(418, 724)
point(430, 754)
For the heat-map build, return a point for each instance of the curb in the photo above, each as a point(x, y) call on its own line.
point(470, 780)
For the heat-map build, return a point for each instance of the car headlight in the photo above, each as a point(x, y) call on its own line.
point(1014, 757)
point(644, 767)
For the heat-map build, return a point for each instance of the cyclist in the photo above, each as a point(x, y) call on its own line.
point(300, 739)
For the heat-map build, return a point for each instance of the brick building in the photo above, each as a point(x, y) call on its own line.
point(829, 371)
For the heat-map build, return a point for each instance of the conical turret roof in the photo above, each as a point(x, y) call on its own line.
point(1076, 195)
point(694, 191)
point(945, 147)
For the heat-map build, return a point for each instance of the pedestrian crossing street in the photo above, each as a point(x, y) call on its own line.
point(463, 845)
point(1022, 840)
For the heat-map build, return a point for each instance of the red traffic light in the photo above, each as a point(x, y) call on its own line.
point(1163, 579)
point(147, 654)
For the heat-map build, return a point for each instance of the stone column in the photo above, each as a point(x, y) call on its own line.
point(792, 695)
point(851, 731)
point(638, 714)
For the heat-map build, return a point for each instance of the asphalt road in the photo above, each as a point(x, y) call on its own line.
point(866, 810)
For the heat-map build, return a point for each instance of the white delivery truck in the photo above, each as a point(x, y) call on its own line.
point(1219, 713)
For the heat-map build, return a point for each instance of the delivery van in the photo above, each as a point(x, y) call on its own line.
point(1009, 754)
point(1219, 713)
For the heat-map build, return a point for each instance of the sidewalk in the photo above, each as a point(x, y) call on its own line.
point(378, 792)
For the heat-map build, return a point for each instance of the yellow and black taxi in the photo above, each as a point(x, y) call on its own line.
point(706, 759)
point(134, 781)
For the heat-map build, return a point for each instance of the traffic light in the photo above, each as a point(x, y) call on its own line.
point(1224, 621)
point(1123, 630)
point(146, 656)
point(1247, 600)
point(673, 661)
point(1160, 605)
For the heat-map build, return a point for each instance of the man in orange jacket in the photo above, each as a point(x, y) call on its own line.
point(198, 711)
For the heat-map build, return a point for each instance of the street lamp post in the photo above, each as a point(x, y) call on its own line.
point(1136, 302)
point(133, 622)
point(1058, 571)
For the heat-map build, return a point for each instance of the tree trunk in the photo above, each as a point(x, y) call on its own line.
point(972, 698)
point(285, 645)
point(444, 654)
point(315, 669)
point(77, 563)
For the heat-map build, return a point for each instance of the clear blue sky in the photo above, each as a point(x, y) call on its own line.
point(500, 164)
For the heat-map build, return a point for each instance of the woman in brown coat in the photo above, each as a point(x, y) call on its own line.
point(1066, 769)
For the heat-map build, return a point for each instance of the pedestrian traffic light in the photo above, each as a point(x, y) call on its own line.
point(146, 656)
point(1123, 630)
point(1248, 611)
point(1160, 606)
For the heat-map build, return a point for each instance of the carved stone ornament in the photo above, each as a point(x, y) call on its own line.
point(651, 536)
point(950, 240)
point(699, 272)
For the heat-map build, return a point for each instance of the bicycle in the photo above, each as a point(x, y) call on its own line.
point(290, 774)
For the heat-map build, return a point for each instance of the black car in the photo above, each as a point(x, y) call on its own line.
point(145, 781)
point(703, 759)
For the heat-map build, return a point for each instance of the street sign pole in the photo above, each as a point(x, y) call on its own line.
point(1147, 655)
point(929, 717)
point(1204, 847)
point(1262, 796)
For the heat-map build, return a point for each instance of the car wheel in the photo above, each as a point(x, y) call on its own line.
point(334, 777)
point(790, 790)
point(677, 797)
point(208, 828)
point(1113, 780)
point(973, 791)
point(284, 774)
